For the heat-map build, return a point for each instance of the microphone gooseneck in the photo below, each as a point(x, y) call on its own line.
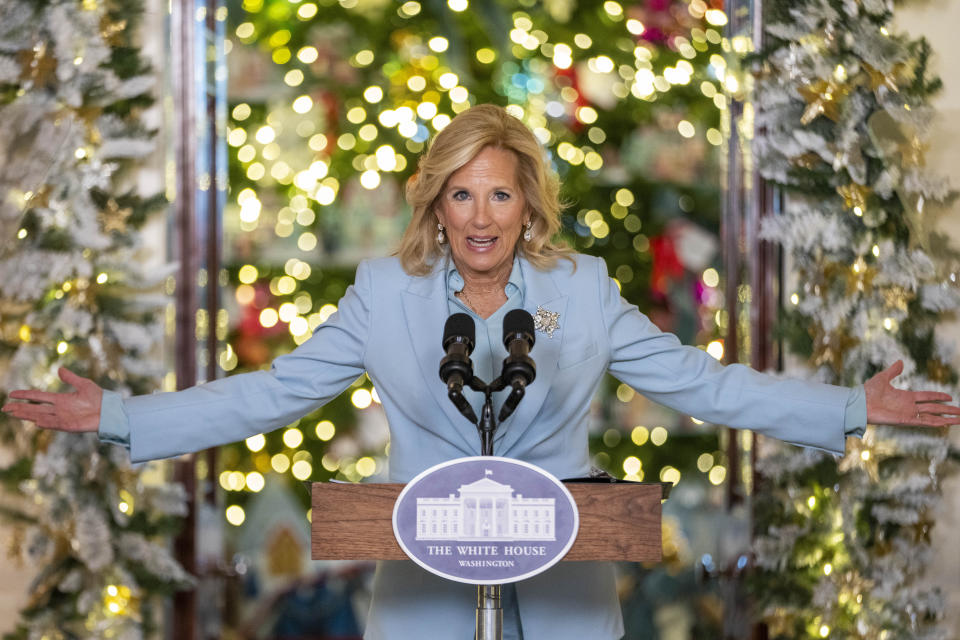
point(456, 369)
point(518, 367)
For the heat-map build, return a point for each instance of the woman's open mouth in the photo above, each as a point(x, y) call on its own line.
point(481, 242)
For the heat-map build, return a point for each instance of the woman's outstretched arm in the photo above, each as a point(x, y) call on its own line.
point(163, 425)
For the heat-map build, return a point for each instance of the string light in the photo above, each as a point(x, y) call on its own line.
point(325, 430)
point(658, 436)
point(361, 398)
point(717, 475)
point(235, 515)
point(366, 466)
point(280, 462)
point(256, 443)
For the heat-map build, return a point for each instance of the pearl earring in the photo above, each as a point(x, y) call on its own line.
point(528, 234)
point(441, 237)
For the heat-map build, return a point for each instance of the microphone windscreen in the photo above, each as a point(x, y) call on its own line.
point(459, 325)
point(518, 321)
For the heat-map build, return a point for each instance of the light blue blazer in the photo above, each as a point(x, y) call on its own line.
point(390, 324)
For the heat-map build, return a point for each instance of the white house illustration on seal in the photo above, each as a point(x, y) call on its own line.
point(486, 510)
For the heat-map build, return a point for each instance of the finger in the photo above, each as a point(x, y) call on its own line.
point(940, 421)
point(892, 371)
point(20, 416)
point(36, 396)
point(71, 378)
point(938, 409)
point(931, 396)
point(30, 411)
point(52, 422)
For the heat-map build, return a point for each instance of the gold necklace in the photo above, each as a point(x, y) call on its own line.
point(463, 296)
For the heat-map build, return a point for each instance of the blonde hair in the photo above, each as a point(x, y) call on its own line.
point(479, 127)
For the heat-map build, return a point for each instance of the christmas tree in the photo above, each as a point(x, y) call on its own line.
point(355, 91)
point(73, 293)
point(331, 104)
point(842, 108)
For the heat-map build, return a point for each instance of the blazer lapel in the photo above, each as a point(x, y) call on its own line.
point(425, 310)
point(541, 291)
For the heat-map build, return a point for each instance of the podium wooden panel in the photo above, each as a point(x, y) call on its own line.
point(617, 521)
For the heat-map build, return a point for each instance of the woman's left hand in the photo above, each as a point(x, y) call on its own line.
point(889, 405)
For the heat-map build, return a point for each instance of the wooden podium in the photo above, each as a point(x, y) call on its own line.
point(618, 521)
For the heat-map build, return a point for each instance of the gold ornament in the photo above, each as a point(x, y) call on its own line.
point(112, 32)
point(898, 140)
point(113, 218)
point(919, 220)
point(38, 198)
point(829, 348)
point(89, 115)
point(913, 152)
point(894, 138)
point(939, 371)
point(807, 161)
point(823, 98)
point(36, 66)
point(120, 600)
point(860, 276)
point(860, 456)
point(854, 196)
point(889, 79)
point(897, 297)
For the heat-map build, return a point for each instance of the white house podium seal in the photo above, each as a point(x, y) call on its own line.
point(485, 520)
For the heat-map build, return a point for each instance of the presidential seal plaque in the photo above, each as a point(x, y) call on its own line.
point(485, 520)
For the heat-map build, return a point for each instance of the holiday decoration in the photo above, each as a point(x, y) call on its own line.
point(842, 105)
point(74, 292)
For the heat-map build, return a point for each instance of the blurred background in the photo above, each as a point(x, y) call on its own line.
point(330, 105)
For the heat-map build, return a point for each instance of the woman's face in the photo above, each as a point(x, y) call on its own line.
point(484, 211)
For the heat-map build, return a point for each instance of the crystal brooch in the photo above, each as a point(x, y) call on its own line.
point(546, 321)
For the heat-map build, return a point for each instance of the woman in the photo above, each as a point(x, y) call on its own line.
point(485, 212)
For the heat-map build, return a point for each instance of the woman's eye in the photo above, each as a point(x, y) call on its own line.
point(460, 195)
point(501, 195)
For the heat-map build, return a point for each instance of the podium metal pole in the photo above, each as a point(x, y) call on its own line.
point(489, 611)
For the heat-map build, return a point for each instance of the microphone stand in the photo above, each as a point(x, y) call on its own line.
point(487, 425)
point(489, 609)
point(519, 369)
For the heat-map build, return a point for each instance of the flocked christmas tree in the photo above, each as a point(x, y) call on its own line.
point(842, 108)
point(73, 292)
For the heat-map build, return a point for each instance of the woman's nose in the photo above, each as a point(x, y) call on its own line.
point(481, 215)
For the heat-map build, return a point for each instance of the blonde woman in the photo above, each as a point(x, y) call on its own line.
point(482, 241)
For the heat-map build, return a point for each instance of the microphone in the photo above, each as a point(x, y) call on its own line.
point(518, 367)
point(456, 369)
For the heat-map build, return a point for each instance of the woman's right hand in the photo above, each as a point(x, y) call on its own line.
point(76, 411)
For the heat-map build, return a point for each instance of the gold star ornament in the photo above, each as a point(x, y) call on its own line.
point(823, 99)
point(113, 218)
